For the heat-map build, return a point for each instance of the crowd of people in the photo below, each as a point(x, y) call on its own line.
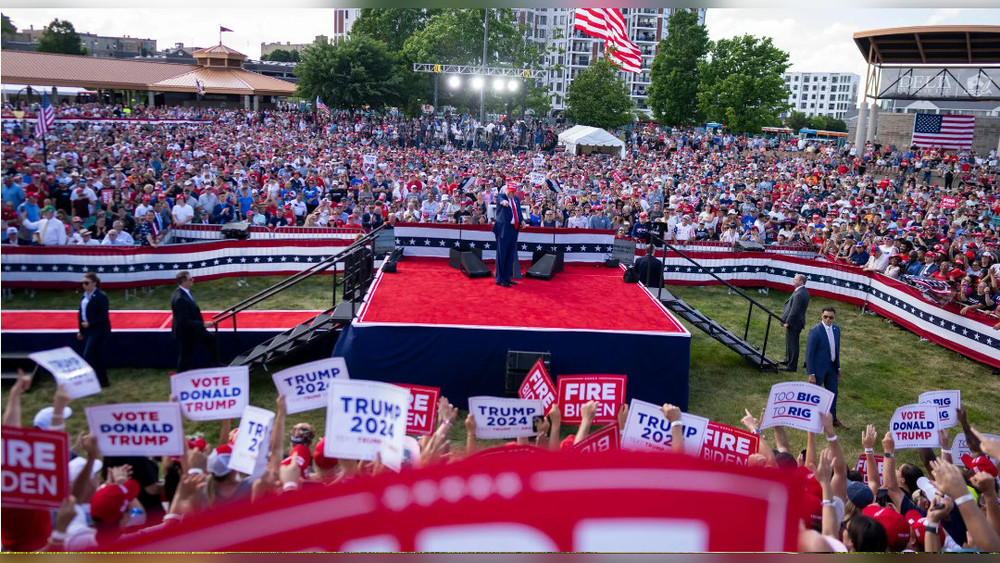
point(842, 509)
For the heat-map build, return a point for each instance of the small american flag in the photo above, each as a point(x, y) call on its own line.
point(609, 24)
point(46, 117)
point(943, 131)
point(321, 107)
point(199, 86)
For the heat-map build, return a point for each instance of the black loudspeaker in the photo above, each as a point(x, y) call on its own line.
point(544, 268)
point(560, 257)
point(455, 255)
point(396, 255)
point(239, 230)
point(518, 365)
point(389, 267)
point(748, 246)
point(472, 265)
point(611, 263)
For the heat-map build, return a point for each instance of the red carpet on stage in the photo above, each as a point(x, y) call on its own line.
point(47, 320)
point(581, 297)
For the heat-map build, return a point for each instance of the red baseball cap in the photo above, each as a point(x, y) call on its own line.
point(320, 459)
point(110, 502)
point(979, 464)
point(896, 527)
point(917, 521)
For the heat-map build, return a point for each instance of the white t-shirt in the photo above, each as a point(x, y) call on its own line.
point(183, 213)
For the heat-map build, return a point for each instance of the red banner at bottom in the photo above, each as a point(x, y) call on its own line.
point(570, 502)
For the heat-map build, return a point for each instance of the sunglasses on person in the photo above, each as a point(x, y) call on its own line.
point(831, 317)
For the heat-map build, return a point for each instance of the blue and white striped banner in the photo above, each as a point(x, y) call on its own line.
point(579, 245)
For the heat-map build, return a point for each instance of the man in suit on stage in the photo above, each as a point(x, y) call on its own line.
point(793, 318)
point(823, 357)
point(94, 325)
point(188, 325)
point(506, 224)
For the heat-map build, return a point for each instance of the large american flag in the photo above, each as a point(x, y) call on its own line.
point(943, 131)
point(609, 24)
point(46, 117)
point(321, 107)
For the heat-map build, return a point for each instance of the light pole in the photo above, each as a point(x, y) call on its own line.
point(482, 91)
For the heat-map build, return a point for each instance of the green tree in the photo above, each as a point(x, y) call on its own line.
point(827, 123)
point(282, 56)
point(350, 74)
point(599, 97)
point(673, 92)
point(61, 37)
point(7, 29)
point(742, 84)
point(796, 120)
point(392, 26)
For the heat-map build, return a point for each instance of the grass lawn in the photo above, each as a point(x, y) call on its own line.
point(883, 365)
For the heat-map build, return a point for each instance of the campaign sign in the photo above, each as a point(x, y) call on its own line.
point(960, 447)
point(212, 393)
point(648, 430)
point(538, 386)
point(862, 466)
point(607, 439)
point(524, 502)
point(797, 404)
point(34, 467)
point(422, 415)
point(578, 390)
point(365, 418)
point(498, 418)
point(128, 429)
point(538, 161)
point(949, 202)
point(253, 442)
point(305, 386)
point(915, 426)
point(727, 444)
point(537, 178)
point(947, 402)
point(107, 195)
point(369, 160)
point(69, 369)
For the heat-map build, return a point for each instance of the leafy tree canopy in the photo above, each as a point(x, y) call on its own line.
point(599, 97)
point(61, 37)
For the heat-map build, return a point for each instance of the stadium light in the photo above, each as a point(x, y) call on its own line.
point(498, 84)
point(513, 85)
point(454, 82)
point(477, 83)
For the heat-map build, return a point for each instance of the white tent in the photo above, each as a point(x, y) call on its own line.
point(581, 139)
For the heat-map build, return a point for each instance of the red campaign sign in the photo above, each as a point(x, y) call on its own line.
point(509, 450)
point(577, 390)
point(421, 417)
point(617, 176)
point(537, 385)
point(607, 439)
point(620, 501)
point(106, 196)
point(726, 444)
point(35, 467)
point(949, 202)
point(862, 466)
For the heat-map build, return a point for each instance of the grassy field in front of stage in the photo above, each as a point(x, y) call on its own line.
point(884, 366)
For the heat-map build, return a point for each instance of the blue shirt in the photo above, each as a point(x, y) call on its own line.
point(13, 193)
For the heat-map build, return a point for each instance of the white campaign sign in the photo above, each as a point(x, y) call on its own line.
point(369, 160)
point(498, 417)
point(305, 386)
point(648, 430)
point(212, 393)
point(797, 404)
point(960, 447)
point(253, 442)
point(536, 178)
point(915, 426)
point(538, 161)
point(947, 402)
point(69, 369)
point(145, 429)
point(364, 418)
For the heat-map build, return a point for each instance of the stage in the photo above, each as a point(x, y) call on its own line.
point(139, 338)
point(428, 324)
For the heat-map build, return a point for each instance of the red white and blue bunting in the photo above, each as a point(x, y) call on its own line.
point(579, 245)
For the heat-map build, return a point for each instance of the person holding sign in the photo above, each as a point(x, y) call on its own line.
point(188, 325)
point(508, 223)
point(94, 325)
point(793, 318)
point(823, 357)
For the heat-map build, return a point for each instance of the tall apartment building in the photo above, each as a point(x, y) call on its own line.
point(822, 93)
point(572, 51)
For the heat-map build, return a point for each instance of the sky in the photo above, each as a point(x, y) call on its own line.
point(816, 40)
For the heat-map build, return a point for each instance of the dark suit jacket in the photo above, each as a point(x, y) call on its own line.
point(818, 351)
point(187, 319)
point(795, 309)
point(97, 313)
point(502, 226)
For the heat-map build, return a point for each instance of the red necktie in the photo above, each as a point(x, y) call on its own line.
point(513, 209)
